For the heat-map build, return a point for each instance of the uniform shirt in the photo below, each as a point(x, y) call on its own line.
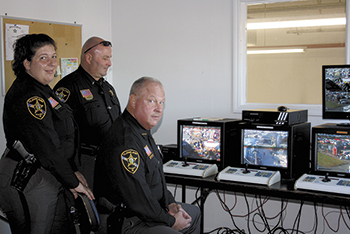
point(95, 104)
point(34, 115)
point(129, 169)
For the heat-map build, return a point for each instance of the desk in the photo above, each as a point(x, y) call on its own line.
point(277, 190)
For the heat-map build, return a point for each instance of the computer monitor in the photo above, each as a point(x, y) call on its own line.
point(331, 150)
point(336, 92)
point(208, 140)
point(277, 148)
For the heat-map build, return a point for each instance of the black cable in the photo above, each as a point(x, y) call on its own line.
point(256, 215)
point(264, 216)
point(253, 221)
point(248, 210)
point(223, 230)
point(231, 216)
point(316, 218)
point(202, 197)
point(347, 211)
point(297, 219)
point(279, 224)
point(175, 190)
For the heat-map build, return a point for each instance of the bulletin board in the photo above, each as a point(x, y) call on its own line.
point(67, 37)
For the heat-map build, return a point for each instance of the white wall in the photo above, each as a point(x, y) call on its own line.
point(185, 44)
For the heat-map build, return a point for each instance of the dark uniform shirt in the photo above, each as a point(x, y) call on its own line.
point(95, 104)
point(129, 169)
point(34, 115)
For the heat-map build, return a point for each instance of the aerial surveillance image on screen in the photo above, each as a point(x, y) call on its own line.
point(337, 89)
point(265, 148)
point(333, 152)
point(201, 142)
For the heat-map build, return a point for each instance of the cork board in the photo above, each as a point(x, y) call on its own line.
point(67, 36)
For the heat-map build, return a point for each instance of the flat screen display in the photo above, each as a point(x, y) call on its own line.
point(336, 92)
point(332, 153)
point(265, 148)
point(201, 142)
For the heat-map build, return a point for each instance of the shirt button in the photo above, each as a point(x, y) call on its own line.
point(108, 107)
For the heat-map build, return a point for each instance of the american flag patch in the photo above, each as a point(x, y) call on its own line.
point(148, 152)
point(53, 102)
point(86, 94)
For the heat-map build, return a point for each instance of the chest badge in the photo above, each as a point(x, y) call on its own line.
point(63, 93)
point(130, 160)
point(37, 107)
point(86, 93)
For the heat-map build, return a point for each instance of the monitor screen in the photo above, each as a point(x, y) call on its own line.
point(332, 153)
point(336, 92)
point(201, 142)
point(265, 148)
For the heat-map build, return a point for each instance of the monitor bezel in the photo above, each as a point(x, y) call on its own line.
point(182, 123)
point(332, 114)
point(264, 166)
point(314, 157)
point(286, 172)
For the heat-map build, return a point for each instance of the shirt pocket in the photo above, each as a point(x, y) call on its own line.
point(153, 178)
point(63, 122)
point(91, 112)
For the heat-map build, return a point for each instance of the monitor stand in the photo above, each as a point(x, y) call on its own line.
point(190, 169)
point(263, 177)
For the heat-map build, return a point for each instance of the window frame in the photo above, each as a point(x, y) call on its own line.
point(239, 57)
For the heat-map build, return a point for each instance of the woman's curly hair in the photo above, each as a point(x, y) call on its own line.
point(26, 46)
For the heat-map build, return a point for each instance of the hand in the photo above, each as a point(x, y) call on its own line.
point(84, 189)
point(183, 220)
point(174, 208)
point(81, 178)
point(75, 194)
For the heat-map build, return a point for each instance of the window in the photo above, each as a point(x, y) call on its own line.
point(269, 80)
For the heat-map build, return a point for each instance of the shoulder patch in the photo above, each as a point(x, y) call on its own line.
point(63, 94)
point(86, 93)
point(130, 160)
point(37, 107)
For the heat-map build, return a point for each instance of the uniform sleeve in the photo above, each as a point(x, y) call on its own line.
point(130, 182)
point(35, 124)
point(171, 198)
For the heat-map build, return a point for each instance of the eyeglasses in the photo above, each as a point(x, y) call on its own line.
point(104, 43)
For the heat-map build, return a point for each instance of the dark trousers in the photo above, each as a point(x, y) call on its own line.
point(87, 168)
point(41, 201)
point(134, 225)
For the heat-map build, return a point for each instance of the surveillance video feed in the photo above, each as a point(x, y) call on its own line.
point(337, 89)
point(333, 152)
point(265, 148)
point(201, 142)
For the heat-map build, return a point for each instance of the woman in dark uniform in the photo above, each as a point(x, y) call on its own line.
point(34, 116)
